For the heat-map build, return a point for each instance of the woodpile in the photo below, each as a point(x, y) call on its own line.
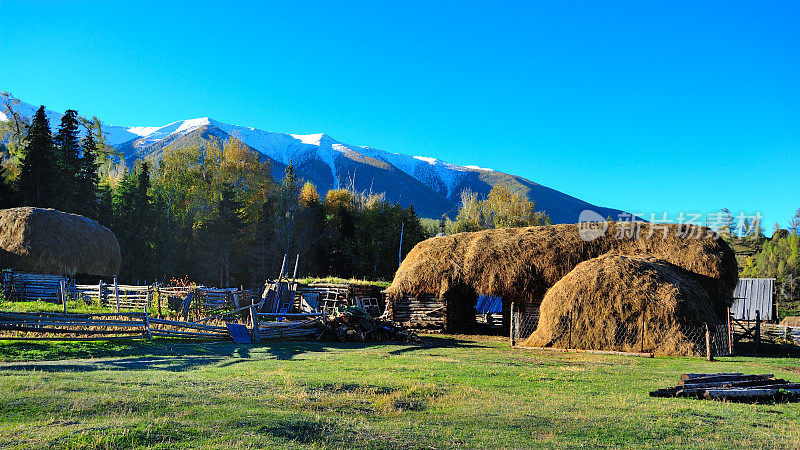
point(432, 314)
point(735, 387)
point(353, 323)
point(424, 313)
point(312, 326)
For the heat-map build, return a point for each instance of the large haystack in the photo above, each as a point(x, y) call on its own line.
point(49, 241)
point(626, 303)
point(522, 263)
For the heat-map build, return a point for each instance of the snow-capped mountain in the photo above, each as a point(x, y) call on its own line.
point(431, 185)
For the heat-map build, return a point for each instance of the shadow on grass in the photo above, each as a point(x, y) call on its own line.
point(177, 356)
point(429, 342)
point(766, 350)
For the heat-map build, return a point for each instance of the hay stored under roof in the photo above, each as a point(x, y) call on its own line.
point(522, 263)
point(48, 241)
point(626, 303)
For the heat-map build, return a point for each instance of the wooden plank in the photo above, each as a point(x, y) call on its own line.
point(723, 378)
point(176, 323)
point(751, 394)
point(689, 376)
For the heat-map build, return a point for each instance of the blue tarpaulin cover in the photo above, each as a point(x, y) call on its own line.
point(489, 304)
point(239, 333)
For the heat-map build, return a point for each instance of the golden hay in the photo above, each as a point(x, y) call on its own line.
point(625, 303)
point(49, 241)
point(791, 321)
point(520, 264)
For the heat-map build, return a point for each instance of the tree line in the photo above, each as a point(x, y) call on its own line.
point(210, 211)
point(779, 258)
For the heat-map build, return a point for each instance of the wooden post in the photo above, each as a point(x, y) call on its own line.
point(62, 288)
point(116, 292)
point(730, 333)
point(511, 336)
point(757, 337)
point(158, 297)
point(641, 339)
point(147, 322)
point(254, 322)
point(709, 347)
point(101, 293)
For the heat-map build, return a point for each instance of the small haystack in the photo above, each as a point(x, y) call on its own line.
point(626, 303)
point(522, 263)
point(791, 321)
point(52, 242)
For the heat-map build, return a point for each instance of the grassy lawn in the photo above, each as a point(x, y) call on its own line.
point(452, 391)
point(73, 306)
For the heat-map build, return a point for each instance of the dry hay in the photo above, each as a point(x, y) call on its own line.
point(52, 242)
point(626, 303)
point(522, 263)
point(791, 321)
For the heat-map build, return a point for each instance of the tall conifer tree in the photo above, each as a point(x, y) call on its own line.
point(88, 179)
point(68, 148)
point(37, 179)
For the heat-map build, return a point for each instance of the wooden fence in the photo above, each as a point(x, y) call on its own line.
point(58, 326)
point(31, 287)
point(119, 296)
point(140, 325)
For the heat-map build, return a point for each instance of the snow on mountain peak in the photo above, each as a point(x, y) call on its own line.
point(482, 169)
point(431, 161)
point(311, 139)
point(282, 147)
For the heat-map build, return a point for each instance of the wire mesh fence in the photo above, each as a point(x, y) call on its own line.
point(630, 336)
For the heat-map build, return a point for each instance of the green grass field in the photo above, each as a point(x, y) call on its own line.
point(450, 391)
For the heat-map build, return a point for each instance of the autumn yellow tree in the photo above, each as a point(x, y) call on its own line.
point(502, 208)
point(309, 195)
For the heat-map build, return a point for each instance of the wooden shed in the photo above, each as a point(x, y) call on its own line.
point(751, 295)
point(326, 297)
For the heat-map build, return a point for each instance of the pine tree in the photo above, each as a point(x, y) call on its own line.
point(68, 149)
point(88, 179)
point(225, 227)
point(37, 179)
point(132, 224)
point(8, 196)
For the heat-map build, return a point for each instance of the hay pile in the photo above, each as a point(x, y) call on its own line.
point(52, 242)
point(626, 303)
point(522, 263)
point(791, 321)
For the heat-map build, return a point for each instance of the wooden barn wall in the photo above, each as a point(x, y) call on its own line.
point(751, 295)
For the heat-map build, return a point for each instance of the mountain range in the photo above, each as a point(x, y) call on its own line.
point(432, 186)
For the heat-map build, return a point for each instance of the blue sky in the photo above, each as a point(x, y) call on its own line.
point(644, 106)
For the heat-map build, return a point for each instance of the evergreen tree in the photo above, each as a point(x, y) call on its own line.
point(224, 230)
point(68, 149)
point(37, 178)
point(88, 179)
point(132, 224)
point(8, 196)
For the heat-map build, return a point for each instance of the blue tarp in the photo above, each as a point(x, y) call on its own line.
point(489, 304)
point(239, 333)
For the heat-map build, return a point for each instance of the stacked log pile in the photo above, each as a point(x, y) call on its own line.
point(353, 323)
point(736, 387)
point(423, 313)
